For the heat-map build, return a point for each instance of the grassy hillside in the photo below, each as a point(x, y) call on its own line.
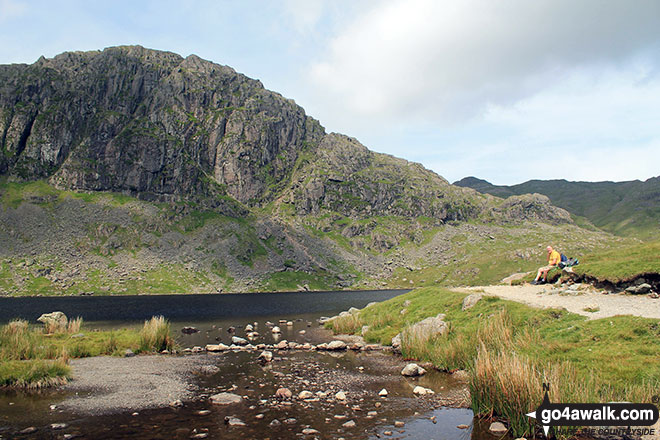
point(61, 242)
point(622, 208)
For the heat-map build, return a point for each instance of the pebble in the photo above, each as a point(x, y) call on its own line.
point(349, 424)
point(462, 426)
point(29, 430)
point(497, 428)
point(305, 395)
point(383, 393)
point(340, 395)
point(283, 393)
point(398, 424)
point(387, 432)
point(233, 421)
point(309, 431)
point(274, 423)
point(58, 425)
point(259, 416)
point(200, 435)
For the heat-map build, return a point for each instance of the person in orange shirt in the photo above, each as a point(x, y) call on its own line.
point(554, 258)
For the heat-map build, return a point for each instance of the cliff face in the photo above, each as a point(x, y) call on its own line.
point(148, 123)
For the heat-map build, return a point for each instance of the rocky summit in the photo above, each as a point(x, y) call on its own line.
point(131, 169)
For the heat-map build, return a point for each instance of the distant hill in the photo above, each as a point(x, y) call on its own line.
point(623, 208)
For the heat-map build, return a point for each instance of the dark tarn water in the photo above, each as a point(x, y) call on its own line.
point(360, 374)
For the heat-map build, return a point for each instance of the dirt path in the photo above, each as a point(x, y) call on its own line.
point(575, 300)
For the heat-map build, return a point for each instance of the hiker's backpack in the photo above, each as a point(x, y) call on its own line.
point(564, 258)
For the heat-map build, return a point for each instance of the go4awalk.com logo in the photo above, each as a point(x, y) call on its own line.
point(594, 414)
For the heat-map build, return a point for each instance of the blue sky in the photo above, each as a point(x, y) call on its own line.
point(507, 91)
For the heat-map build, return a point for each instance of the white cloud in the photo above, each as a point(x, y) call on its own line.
point(447, 61)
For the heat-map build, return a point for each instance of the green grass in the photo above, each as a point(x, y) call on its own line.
point(290, 280)
point(30, 358)
point(611, 358)
point(12, 194)
point(622, 262)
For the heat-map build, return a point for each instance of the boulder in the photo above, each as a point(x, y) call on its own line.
point(225, 399)
point(470, 301)
point(639, 290)
point(396, 343)
point(305, 395)
point(265, 357)
point(353, 310)
point(217, 347)
point(53, 320)
point(238, 341)
point(336, 345)
point(421, 391)
point(283, 393)
point(413, 370)
point(427, 328)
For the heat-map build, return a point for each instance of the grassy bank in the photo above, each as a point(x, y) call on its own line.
point(622, 263)
point(510, 349)
point(37, 356)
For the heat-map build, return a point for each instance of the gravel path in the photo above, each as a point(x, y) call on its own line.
point(109, 384)
point(547, 296)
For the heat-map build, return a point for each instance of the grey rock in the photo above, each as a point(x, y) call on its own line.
point(234, 422)
point(336, 345)
point(497, 428)
point(238, 341)
point(471, 300)
point(413, 370)
point(128, 353)
point(265, 356)
point(225, 399)
point(54, 319)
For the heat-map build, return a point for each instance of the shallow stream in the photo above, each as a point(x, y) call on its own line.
point(360, 375)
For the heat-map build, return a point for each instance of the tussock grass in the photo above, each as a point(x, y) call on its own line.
point(73, 326)
point(511, 349)
point(347, 324)
point(16, 327)
point(155, 335)
point(30, 358)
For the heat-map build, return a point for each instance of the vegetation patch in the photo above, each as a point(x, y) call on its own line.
point(37, 356)
point(510, 349)
point(622, 263)
point(292, 281)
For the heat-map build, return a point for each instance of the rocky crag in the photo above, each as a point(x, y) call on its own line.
point(134, 170)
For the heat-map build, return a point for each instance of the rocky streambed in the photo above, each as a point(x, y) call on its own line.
point(299, 392)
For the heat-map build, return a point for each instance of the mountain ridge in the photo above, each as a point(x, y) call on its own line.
point(629, 208)
point(183, 166)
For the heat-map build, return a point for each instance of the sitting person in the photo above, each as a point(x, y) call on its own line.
point(554, 258)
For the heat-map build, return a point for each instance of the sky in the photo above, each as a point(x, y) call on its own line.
point(506, 91)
